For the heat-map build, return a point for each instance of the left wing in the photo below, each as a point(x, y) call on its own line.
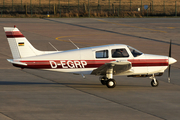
point(117, 67)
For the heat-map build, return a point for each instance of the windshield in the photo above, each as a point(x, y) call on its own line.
point(135, 52)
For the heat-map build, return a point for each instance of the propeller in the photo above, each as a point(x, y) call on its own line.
point(169, 79)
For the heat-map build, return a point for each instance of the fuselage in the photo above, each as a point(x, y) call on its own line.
point(85, 60)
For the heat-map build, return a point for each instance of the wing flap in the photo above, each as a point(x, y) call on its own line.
point(118, 67)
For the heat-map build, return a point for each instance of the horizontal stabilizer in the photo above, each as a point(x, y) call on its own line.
point(16, 62)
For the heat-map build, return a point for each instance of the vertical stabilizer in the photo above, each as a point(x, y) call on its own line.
point(19, 45)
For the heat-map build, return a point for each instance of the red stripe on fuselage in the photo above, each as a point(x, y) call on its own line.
point(148, 62)
point(72, 64)
point(14, 34)
point(61, 64)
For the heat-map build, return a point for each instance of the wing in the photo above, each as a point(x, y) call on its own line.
point(117, 67)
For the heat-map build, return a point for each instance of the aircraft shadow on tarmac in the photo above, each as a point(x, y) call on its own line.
point(77, 85)
point(21, 83)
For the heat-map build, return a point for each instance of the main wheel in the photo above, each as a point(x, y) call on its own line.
point(103, 80)
point(111, 83)
point(153, 84)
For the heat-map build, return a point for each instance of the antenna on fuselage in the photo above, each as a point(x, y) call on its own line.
point(53, 46)
point(74, 44)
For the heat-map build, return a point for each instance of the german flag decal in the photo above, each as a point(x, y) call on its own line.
point(21, 43)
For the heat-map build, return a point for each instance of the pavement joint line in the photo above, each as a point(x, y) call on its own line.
point(58, 38)
point(4, 54)
point(125, 105)
point(132, 26)
point(6, 116)
point(109, 31)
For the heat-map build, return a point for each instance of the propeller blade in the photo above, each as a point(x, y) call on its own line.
point(170, 49)
point(169, 79)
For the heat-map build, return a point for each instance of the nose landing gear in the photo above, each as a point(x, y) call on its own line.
point(154, 82)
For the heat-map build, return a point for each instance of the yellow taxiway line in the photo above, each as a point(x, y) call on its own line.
point(60, 38)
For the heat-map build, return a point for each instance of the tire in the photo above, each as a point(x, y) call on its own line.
point(153, 84)
point(103, 80)
point(111, 83)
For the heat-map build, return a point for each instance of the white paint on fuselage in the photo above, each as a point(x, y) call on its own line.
point(88, 53)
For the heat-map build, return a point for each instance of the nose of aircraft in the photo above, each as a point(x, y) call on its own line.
point(172, 60)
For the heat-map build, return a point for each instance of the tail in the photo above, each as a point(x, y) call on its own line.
point(19, 45)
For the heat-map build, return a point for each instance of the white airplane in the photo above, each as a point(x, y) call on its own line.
point(105, 61)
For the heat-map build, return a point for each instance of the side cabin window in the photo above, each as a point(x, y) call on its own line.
point(102, 54)
point(118, 53)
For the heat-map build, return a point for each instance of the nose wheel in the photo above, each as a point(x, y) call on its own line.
point(154, 82)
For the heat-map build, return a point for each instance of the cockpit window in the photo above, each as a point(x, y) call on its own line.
point(102, 54)
point(135, 52)
point(117, 53)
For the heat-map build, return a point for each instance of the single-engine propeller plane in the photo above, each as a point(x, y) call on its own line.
point(105, 61)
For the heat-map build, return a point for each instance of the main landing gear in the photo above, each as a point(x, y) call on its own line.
point(110, 83)
point(108, 79)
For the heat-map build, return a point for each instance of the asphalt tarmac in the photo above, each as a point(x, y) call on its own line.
point(43, 95)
